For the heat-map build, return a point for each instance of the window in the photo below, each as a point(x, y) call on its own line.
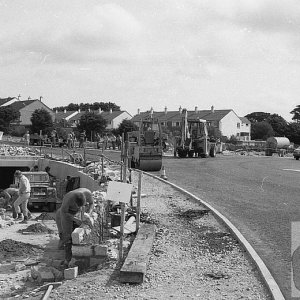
point(238, 125)
point(162, 123)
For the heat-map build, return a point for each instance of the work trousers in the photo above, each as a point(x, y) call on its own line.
point(65, 226)
point(23, 201)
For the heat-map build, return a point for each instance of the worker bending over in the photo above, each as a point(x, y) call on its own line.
point(66, 217)
point(11, 195)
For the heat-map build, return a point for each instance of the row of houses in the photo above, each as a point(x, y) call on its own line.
point(226, 120)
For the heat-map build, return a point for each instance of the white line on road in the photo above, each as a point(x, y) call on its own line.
point(293, 170)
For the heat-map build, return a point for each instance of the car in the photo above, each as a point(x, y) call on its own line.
point(296, 153)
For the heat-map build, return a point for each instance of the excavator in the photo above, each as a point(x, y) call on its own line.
point(146, 146)
point(194, 140)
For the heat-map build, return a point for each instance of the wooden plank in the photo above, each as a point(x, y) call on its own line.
point(135, 265)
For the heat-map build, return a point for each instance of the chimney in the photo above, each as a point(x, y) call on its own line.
point(41, 97)
point(65, 111)
point(110, 110)
point(212, 109)
point(166, 110)
point(151, 112)
point(180, 110)
point(196, 109)
point(100, 110)
point(138, 111)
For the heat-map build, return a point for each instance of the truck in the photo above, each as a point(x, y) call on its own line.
point(146, 146)
point(43, 191)
point(194, 140)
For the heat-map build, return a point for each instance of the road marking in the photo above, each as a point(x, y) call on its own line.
point(293, 170)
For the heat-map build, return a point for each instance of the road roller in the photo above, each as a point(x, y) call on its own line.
point(146, 146)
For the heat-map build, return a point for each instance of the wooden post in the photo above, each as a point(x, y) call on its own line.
point(84, 155)
point(125, 161)
point(122, 230)
point(138, 205)
point(102, 165)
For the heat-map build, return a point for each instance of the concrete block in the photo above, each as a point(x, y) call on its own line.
point(96, 260)
point(45, 276)
point(78, 250)
point(71, 273)
point(100, 250)
point(77, 236)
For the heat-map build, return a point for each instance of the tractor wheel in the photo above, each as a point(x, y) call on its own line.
point(212, 152)
point(191, 153)
point(182, 153)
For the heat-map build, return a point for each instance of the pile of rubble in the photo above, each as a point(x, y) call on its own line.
point(8, 150)
point(111, 170)
point(35, 229)
point(5, 220)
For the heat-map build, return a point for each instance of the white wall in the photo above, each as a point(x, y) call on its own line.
point(228, 125)
point(118, 120)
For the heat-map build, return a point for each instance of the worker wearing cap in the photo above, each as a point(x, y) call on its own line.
point(66, 219)
point(24, 194)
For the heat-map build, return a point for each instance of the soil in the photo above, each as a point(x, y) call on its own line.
point(193, 257)
point(36, 228)
point(11, 249)
point(44, 216)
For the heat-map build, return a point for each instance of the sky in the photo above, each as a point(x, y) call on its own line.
point(231, 54)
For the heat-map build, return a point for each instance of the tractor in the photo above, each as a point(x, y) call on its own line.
point(194, 140)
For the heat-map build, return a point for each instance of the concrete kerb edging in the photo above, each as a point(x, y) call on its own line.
point(265, 273)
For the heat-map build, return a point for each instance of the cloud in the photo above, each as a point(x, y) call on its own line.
point(94, 34)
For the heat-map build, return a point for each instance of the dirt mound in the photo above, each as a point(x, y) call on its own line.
point(36, 228)
point(12, 249)
point(44, 216)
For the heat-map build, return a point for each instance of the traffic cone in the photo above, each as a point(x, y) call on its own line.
point(163, 173)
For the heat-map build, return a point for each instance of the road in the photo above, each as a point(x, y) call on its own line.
point(259, 195)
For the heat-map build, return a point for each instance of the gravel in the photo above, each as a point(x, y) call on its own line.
point(193, 257)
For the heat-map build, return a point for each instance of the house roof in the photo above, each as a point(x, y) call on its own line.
point(17, 105)
point(108, 116)
point(5, 100)
point(245, 120)
point(176, 116)
point(60, 115)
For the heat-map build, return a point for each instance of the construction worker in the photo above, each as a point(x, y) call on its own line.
point(24, 194)
point(82, 138)
point(11, 195)
point(67, 217)
point(27, 138)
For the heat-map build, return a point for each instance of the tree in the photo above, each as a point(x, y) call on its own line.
point(261, 130)
point(105, 106)
point(41, 120)
point(257, 117)
point(278, 124)
point(296, 113)
point(126, 126)
point(293, 132)
point(91, 123)
point(7, 115)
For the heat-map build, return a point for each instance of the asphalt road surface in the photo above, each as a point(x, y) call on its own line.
point(259, 195)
